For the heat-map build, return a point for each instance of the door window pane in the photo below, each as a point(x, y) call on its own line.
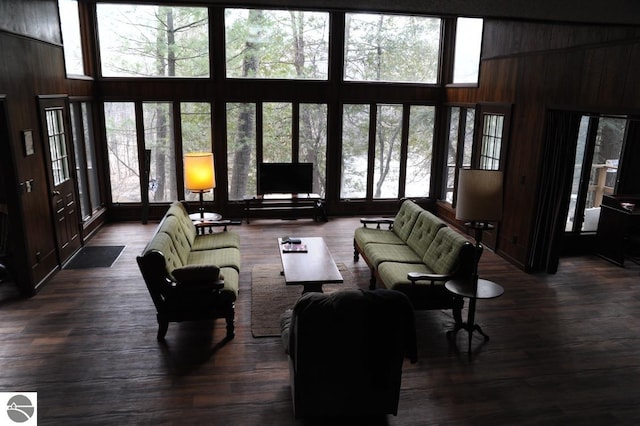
point(287, 44)
point(386, 174)
point(120, 127)
point(313, 143)
point(57, 146)
point(153, 41)
point(196, 135)
point(355, 151)
point(276, 132)
point(158, 138)
point(419, 151)
point(466, 63)
point(241, 150)
point(391, 48)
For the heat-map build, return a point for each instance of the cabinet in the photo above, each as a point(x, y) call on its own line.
point(618, 232)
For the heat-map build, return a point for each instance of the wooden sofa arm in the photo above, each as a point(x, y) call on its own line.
point(419, 276)
point(377, 221)
point(215, 223)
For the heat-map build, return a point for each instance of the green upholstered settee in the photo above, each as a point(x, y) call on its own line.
point(191, 276)
point(416, 255)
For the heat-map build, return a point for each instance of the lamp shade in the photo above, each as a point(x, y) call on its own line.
point(479, 195)
point(199, 174)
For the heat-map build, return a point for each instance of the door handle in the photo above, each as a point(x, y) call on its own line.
point(56, 194)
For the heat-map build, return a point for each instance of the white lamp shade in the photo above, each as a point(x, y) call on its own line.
point(479, 195)
point(199, 174)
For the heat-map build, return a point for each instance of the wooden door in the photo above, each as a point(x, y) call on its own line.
point(61, 176)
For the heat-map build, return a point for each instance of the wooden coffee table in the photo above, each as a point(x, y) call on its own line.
point(310, 269)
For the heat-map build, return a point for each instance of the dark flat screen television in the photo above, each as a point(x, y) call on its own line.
point(285, 178)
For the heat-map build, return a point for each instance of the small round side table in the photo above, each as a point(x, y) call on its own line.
point(485, 289)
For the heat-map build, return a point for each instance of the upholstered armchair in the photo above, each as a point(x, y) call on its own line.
point(346, 351)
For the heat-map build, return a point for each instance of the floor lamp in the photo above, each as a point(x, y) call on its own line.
point(479, 202)
point(199, 175)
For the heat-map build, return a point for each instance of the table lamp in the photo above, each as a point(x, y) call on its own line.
point(199, 175)
point(479, 202)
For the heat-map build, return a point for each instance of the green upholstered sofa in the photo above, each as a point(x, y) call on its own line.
point(416, 255)
point(189, 275)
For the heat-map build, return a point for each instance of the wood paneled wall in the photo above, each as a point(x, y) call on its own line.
point(538, 66)
point(32, 65)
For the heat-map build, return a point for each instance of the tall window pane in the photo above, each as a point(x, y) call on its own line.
point(276, 132)
point(153, 41)
point(313, 143)
point(606, 156)
point(577, 173)
point(386, 172)
point(86, 172)
point(241, 150)
point(466, 63)
point(120, 127)
point(355, 151)
point(276, 44)
point(452, 152)
point(71, 41)
point(419, 151)
point(196, 135)
point(158, 137)
point(391, 48)
point(90, 154)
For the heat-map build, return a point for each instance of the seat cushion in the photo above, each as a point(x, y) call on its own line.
point(364, 236)
point(216, 240)
point(377, 253)
point(394, 274)
point(224, 257)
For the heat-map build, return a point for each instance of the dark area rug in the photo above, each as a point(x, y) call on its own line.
point(95, 257)
point(270, 297)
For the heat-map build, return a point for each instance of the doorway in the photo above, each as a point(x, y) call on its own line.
point(62, 187)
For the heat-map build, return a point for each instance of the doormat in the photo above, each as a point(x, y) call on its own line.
point(95, 257)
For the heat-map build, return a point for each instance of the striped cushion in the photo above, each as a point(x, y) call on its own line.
point(170, 225)
point(164, 244)
point(364, 236)
point(442, 255)
point(224, 257)
point(424, 231)
point(405, 218)
point(216, 241)
point(394, 274)
point(378, 253)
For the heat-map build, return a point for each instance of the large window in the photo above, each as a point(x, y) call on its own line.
point(264, 132)
point(459, 146)
point(397, 129)
point(153, 41)
point(124, 168)
point(276, 44)
point(391, 48)
point(159, 142)
point(195, 122)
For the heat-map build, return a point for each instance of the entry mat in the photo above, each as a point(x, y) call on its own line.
point(95, 257)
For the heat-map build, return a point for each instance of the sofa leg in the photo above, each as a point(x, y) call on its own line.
point(356, 253)
point(372, 281)
point(230, 324)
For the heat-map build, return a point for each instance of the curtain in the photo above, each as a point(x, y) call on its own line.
point(559, 152)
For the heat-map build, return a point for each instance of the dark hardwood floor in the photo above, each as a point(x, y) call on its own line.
point(564, 348)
